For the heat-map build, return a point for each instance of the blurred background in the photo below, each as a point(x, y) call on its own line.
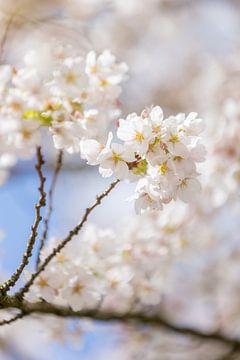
point(184, 56)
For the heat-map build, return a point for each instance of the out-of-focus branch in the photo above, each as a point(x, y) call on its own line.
point(50, 203)
point(32, 239)
point(71, 234)
point(5, 36)
point(138, 317)
point(230, 355)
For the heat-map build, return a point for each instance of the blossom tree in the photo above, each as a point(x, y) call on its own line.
point(179, 167)
point(72, 103)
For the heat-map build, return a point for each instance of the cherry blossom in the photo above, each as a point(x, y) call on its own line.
point(161, 155)
point(102, 266)
point(75, 99)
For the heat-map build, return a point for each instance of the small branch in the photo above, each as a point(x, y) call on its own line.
point(71, 234)
point(28, 253)
point(13, 319)
point(5, 36)
point(50, 204)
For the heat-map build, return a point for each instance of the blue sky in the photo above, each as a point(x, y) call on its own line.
point(75, 191)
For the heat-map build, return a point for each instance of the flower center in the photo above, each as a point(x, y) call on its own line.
point(104, 82)
point(183, 184)
point(116, 157)
point(42, 282)
point(77, 289)
point(163, 168)
point(174, 139)
point(71, 78)
point(139, 136)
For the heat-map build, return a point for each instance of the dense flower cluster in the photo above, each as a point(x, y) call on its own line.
point(160, 154)
point(76, 100)
point(74, 97)
point(114, 271)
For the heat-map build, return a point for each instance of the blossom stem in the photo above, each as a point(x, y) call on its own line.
point(71, 234)
point(50, 204)
point(4, 288)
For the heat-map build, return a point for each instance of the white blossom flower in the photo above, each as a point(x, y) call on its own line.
point(66, 135)
point(147, 196)
point(90, 150)
point(193, 125)
point(81, 291)
point(187, 187)
point(113, 160)
point(70, 78)
point(104, 68)
point(136, 131)
point(149, 292)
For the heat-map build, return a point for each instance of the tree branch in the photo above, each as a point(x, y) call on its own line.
point(139, 317)
point(32, 239)
point(71, 234)
point(50, 204)
point(5, 36)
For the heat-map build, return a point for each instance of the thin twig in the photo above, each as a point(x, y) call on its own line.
point(5, 36)
point(13, 319)
point(71, 234)
point(50, 204)
point(32, 239)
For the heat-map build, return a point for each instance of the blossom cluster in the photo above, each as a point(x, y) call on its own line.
point(161, 155)
point(114, 271)
point(74, 97)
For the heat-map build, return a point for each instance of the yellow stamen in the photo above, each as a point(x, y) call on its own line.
point(26, 134)
point(60, 258)
point(156, 128)
point(163, 168)
point(16, 106)
point(114, 284)
point(84, 95)
point(139, 136)
point(42, 282)
point(70, 78)
point(95, 247)
point(77, 289)
point(104, 82)
point(93, 69)
point(116, 157)
point(174, 139)
point(169, 229)
point(183, 183)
